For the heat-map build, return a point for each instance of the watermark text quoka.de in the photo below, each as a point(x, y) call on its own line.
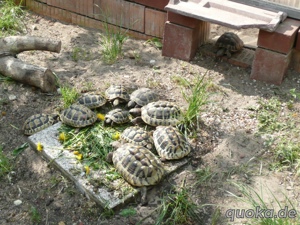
point(260, 213)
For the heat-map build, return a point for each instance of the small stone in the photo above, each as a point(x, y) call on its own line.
point(12, 97)
point(152, 62)
point(17, 202)
point(34, 27)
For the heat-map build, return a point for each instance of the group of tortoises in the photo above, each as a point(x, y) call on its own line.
point(139, 155)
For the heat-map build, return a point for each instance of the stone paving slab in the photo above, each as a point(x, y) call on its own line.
point(66, 162)
point(229, 14)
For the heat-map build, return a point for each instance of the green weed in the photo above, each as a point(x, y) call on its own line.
point(180, 81)
point(112, 42)
point(268, 116)
point(5, 164)
point(204, 176)
point(176, 208)
point(35, 216)
point(79, 53)
point(69, 96)
point(107, 213)
point(128, 212)
point(287, 154)
point(11, 18)
point(196, 96)
point(155, 42)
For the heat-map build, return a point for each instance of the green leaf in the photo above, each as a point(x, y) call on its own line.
point(20, 149)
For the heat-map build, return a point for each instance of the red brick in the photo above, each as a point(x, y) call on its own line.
point(156, 4)
point(180, 42)
point(183, 20)
point(295, 61)
point(269, 66)
point(297, 46)
point(155, 22)
point(121, 13)
point(282, 39)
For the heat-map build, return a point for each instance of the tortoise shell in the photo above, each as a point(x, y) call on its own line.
point(161, 113)
point(117, 94)
point(138, 136)
point(142, 97)
point(78, 116)
point(170, 143)
point(118, 116)
point(138, 165)
point(38, 122)
point(92, 101)
point(229, 42)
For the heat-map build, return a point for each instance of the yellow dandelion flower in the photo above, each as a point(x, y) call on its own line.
point(101, 116)
point(116, 136)
point(76, 152)
point(79, 156)
point(87, 170)
point(62, 136)
point(39, 146)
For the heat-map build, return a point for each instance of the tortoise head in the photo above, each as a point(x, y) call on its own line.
point(109, 157)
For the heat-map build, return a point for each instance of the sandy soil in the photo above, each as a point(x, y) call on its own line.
point(227, 141)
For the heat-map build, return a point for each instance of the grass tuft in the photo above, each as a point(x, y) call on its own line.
point(112, 42)
point(35, 216)
point(196, 96)
point(69, 96)
point(11, 18)
point(176, 208)
point(5, 164)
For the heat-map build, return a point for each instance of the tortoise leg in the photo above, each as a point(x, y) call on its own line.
point(144, 196)
point(220, 52)
point(228, 53)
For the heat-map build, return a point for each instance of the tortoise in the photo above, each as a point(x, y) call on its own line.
point(117, 94)
point(92, 101)
point(38, 122)
point(141, 97)
point(138, 166)
point(138, 136)
point(118, 116)
point(78, 116)
point(228, 43)
point(170, 143)
point(159, 113)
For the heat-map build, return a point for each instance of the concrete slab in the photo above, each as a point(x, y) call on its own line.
point(92, 186)
point(229, 14)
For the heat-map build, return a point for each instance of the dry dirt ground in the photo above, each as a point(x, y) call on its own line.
point(226, 143)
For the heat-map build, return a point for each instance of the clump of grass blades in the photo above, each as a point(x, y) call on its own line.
point(112, 43)
point(287, 154)
point(255, 199)
point(5, 164)
point(35, 215)
point(268, 116)
point(69, 96)
point(176, 209)
point(11, 18)
point(196, 96)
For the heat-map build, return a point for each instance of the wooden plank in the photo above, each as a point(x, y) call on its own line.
point(292, 12)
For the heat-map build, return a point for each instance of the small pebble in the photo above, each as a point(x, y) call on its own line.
point(17, 202)
point(12, 97)
point(152, 62)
